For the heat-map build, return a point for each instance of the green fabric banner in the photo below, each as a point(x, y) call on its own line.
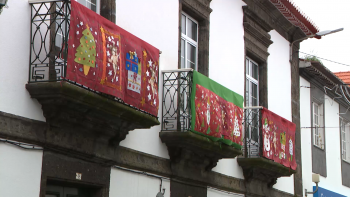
point(217, 112)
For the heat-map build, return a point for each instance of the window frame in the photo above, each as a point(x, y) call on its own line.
point(188, 40)
point(98, 3)
point(252, 80)
point(344, 133)
point(318, 133)
point(60, 37)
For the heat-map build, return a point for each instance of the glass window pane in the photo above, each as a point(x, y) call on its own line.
point(315, 109)
point(191, 56)
point(316, 119)
point(183, 53)
point(247, 94)
point(183, 24)
point(254, 95)
point(247, 66)
point(255, 71)
point(192, 29)
point(91, 4)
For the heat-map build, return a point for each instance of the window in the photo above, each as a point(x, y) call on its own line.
point(252, 83)
point(317, 125)
point(189, 42)
point(252, 97)
point(60, 23)
point(345, 139)
point(62, 191)
point(91, 4)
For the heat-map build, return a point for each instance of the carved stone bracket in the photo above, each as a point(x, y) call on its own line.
point(70, 107)
point(192, 155)
point(264, 170)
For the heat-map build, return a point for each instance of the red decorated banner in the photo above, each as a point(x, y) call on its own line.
point(218, 111)
point(278, 139)
point(217, 117)
point(108, 59)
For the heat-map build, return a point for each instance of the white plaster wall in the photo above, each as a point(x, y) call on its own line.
point(20, 171)
point(279, 91)
point(158, 25)
point(226, 59)
point(123, 183)
point(333, 180)
point(14, 64)
point(217, 193)
point(279, 75)
point(305, 121)
point(226, 51)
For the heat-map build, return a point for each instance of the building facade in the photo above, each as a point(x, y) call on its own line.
point(324, 113)
point(61, 138)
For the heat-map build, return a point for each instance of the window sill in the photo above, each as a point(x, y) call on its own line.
point(319, 147)
point(347, 162)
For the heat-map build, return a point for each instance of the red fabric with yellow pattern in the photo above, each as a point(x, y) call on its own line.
point(124, 65)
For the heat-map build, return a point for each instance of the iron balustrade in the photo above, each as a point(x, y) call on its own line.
point(176, 110)
point(50, 22)
point(48, 42)
point(252, 132)
point(176, 104)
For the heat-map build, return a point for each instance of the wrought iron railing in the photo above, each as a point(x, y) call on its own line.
point(50, 22)
point(48, 41)
point(176, 106)
point(252, 132)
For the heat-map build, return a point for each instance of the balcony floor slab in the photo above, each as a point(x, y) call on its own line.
point(66, 105)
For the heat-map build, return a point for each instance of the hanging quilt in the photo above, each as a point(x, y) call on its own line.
point(218, 111)
point(108, 59)
point(278, 139)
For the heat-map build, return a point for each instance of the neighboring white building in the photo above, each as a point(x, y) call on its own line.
point(244, 45)
point(324, 116)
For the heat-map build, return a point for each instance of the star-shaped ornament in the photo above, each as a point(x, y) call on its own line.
point(148, 87)
point(142, 101)
point(149, 96)
point(147, 73)
point(155, 102)
point(81, 23)
point(150, 63)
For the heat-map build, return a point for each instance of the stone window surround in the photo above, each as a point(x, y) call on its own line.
point(60, 170)
point(319, 159)
point(200, 11)
point(345, 166)
point(256, 42)
point(321, 122)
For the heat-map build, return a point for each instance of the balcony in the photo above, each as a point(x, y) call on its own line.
point(192, 151)
point(268, 146)
point(77, 104)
